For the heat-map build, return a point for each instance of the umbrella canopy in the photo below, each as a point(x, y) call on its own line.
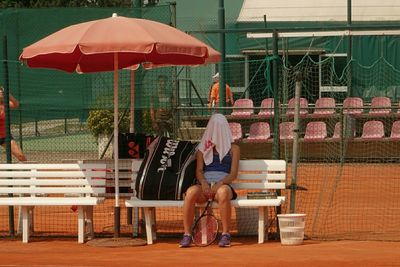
point(115, 43)
point(90, 46)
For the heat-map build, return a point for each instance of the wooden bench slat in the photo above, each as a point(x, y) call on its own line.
point(121, 183)
point(262, 165)
point(52, 190)
point(50, 201)
point(51, 166)
point(49, 182)
point(261, 176)
point(53, 173)
point(259, 186)
point(239, 202)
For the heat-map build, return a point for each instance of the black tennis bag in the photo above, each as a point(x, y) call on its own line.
point(167, 170)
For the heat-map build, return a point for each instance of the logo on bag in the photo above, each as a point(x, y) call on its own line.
point(169, 151)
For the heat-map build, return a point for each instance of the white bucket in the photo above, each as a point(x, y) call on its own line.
point(291, 228)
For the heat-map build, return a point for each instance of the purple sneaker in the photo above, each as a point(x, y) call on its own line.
point(186, 241)
point(225, 241)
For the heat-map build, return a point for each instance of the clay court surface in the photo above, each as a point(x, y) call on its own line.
point(352, 213)
point(244, 252)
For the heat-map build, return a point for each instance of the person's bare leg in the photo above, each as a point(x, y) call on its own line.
point(193, 195)
point(223, 197)
point(16, 151)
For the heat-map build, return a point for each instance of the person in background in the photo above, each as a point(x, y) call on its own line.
point(214, 93)
point(161, 108)
point(209, 100)
point(16, 151)
point(217, 163)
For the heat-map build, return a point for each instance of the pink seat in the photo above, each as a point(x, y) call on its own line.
point(353, 106)
point(259, 132)
point(267, 108)
point(240, 112)
point(395, 132)
point(236, 130)
point(303, 107)
point(324, 107)
point(315, 131)
point(337, 132)
point(373, 130)
point(380, 105)
point(286, 130)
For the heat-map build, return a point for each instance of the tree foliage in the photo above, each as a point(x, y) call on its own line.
point(64, 3)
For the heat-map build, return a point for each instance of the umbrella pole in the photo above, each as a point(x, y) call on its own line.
point(132, 130)
point(117, 210)
point(132, 120)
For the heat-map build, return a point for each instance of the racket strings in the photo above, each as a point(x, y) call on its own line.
point(205, 231)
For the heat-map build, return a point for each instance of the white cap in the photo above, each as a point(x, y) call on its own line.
point(215, 77)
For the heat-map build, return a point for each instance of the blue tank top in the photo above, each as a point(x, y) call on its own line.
point(224, 166)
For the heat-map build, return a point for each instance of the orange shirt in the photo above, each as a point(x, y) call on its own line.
point(215, 93)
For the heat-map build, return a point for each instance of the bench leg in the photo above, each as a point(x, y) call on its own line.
point(31, 217)
point(89, 228)
point(25, 224)
point(148, 220)
point(261, 224)
point(153, 223)
point(81, 225)
point(135, 222)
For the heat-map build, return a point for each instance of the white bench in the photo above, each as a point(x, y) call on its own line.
point(254, 175)
point(30, 185)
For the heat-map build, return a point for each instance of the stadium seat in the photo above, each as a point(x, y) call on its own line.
point(373, 130)
point(259, 132)
point(395, 131)
point(303, 107)
point(286, 130)
point(267, 108)
point(236, 130)
point(353, 106)
point(240, 112)
point(380, 105)
point(337, 132)
point(398, 110)
point(324, 107)
point(315, 131)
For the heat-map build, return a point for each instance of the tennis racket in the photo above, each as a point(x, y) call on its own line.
point(205, 228)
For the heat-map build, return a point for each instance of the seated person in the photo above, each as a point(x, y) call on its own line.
point(217, 163)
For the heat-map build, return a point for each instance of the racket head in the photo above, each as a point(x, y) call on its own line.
point(205, 230)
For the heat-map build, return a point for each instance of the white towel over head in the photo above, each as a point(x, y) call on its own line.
point(218, 135)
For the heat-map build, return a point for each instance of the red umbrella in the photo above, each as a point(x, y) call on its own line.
point(115, 43)
point(91, 46)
